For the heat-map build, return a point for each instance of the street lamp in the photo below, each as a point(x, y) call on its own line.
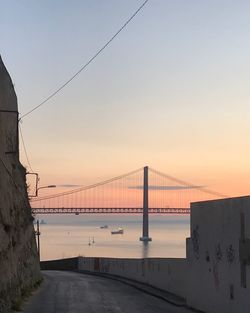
point(37, 232)
point(49, 186)
point(36, 184)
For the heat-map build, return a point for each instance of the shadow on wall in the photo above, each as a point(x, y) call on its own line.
point(62, 265)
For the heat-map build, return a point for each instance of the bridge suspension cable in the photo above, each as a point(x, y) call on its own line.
point(87, 187)
point(188, 184)
point(124, 194)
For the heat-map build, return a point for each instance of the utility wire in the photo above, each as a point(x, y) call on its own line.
point(86, 64)
point(24, 148)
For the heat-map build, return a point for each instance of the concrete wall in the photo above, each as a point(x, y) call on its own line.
point(218, 279)
point(166, 274)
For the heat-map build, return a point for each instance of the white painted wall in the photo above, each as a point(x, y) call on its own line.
point(166, 274)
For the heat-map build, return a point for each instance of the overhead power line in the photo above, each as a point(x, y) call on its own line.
point(87, 63)
point(24, 148)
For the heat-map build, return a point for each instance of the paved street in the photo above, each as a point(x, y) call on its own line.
point(66, 292)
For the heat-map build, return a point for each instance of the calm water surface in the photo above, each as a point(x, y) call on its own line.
point(68, 236)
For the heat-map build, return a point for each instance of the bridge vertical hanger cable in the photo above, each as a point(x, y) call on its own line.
point(89, 187)
point(172, 201)
point(87, 63)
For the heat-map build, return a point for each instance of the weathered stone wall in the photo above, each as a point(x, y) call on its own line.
point(19, 265)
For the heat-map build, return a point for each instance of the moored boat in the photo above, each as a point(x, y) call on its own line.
point(104, 227)
point(117, 231)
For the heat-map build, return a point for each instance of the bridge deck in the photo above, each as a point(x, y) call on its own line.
point(110, 210)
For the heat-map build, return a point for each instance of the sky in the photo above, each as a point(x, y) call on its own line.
point(171, 91)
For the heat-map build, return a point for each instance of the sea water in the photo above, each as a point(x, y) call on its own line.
point(69, 236)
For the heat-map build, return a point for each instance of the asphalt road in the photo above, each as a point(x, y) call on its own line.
point(66, 292)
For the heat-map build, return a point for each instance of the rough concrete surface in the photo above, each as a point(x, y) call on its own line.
point(19, 266)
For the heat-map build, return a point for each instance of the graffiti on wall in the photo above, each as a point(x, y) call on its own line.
point(196, 241)
point(218, 252)
point(230, 254)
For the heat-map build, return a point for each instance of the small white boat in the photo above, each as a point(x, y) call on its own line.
point(117, 231)
point(104, 227)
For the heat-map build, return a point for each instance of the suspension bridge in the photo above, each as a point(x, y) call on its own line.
point(142, 191)
point(125, 194)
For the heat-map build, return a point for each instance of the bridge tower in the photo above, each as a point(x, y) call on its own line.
point(145, 236)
